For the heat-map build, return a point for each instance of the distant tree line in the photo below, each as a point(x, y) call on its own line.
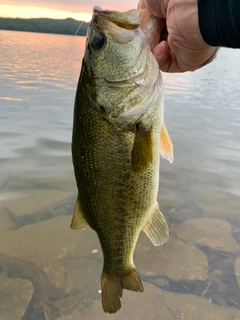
point(66, 26)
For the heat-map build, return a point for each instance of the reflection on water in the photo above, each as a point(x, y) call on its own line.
point(52, 272)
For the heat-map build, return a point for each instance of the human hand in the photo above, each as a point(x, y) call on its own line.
point(182, 48)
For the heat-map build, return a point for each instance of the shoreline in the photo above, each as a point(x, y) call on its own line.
point(67, 26)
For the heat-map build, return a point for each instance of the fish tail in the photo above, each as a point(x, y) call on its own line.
point(112, 287)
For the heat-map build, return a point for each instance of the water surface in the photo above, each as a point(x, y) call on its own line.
point(52, 272)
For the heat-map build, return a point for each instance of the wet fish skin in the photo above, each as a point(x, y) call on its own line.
point(118, 120)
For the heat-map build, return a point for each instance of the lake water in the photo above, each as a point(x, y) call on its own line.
point(48, 271)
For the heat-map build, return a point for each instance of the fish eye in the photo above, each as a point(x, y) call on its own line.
point(98, 42)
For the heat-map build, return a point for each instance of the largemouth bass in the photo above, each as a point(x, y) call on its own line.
point(118, 134)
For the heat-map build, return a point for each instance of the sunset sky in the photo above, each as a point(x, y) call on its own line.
point(60, 9)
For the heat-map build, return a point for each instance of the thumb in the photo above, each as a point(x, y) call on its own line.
point(156, 7)
point(141, 4)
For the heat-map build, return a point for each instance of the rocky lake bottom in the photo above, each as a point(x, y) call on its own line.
point(48, 271)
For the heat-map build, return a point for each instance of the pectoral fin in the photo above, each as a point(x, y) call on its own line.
point(156, 228)
point(78, 220)
point(166, 146)
point(142, 152)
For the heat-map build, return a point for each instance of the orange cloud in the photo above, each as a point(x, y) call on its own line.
point(15, 11)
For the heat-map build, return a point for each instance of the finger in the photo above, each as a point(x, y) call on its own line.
point(165, 57)
point(157, 8)
point(161, 52)
point(141, 4)
point(162, 55)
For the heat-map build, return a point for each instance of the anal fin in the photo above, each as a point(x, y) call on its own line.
point(166, 146)
point(78, 220)
point(156, 228)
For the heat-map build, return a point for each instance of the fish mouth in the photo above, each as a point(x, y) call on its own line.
point(127, 20)
point(133, 19)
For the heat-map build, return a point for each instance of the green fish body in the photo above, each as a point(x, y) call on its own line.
point(118, 121)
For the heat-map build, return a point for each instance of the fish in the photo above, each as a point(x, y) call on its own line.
point(118, 136)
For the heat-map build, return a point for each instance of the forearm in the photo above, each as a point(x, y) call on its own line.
point(219, 22)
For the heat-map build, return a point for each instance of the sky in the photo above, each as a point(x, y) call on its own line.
point(60, 9)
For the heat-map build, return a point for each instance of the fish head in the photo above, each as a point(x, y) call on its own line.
point(118, 32)
point(120, 62)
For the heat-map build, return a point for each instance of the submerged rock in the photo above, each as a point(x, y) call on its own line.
point(6, 224)
point(15, 296)
point(169, 201)
point(175, 259)
point(36, 200)
point(214, 203)
point(154, 304)
point(61, 254)
point(57, 260)
point(213, 233)
point(237, 271)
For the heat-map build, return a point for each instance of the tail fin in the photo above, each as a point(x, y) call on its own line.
point(112, 287)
